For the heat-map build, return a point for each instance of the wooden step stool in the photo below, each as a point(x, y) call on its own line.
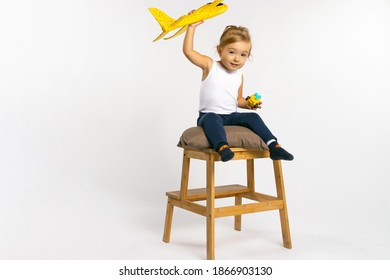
point(186, 199)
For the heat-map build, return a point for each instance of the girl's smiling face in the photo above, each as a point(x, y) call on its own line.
point(233, 56)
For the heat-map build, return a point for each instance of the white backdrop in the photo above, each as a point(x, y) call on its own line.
point(91, 111)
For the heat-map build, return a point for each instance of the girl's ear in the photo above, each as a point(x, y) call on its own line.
point(219, 50)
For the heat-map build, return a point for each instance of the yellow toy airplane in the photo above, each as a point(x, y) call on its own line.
point(168, 24)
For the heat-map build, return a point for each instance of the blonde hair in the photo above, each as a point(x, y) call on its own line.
point(233, 34)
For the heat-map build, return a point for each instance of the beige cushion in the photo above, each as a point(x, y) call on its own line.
point(237, 137)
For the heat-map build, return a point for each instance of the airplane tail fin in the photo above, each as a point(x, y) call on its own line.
point(162, 18)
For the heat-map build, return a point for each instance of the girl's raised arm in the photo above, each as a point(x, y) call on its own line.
point(200, 60)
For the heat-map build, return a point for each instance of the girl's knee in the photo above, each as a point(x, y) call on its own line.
point(210, 117)
point(253, 117)
point(253, 120)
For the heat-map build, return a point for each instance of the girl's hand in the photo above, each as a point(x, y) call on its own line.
point(255, 108)
point(258, 106)
point(243, 103)
point(195, 24)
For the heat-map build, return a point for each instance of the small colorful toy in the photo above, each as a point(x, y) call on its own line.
point(253, 100)
point(168, 24)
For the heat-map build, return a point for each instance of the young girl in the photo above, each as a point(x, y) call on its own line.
point(221, 92)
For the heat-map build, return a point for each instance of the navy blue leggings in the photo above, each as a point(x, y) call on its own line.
point(213, 126)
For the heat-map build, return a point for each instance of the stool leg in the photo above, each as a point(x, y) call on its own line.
point(185, 172)
point(237, 218)
point(210, 196)
point(168, 221)
point(282, 212)
point(250, 174)
point(183, 195)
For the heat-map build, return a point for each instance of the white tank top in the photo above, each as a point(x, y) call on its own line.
point(218, 92)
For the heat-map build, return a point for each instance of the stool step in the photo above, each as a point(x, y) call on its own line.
point(220, 192)
point(248, 208)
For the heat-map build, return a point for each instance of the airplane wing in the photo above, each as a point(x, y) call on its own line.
point(182, 30)
point(160, 36)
